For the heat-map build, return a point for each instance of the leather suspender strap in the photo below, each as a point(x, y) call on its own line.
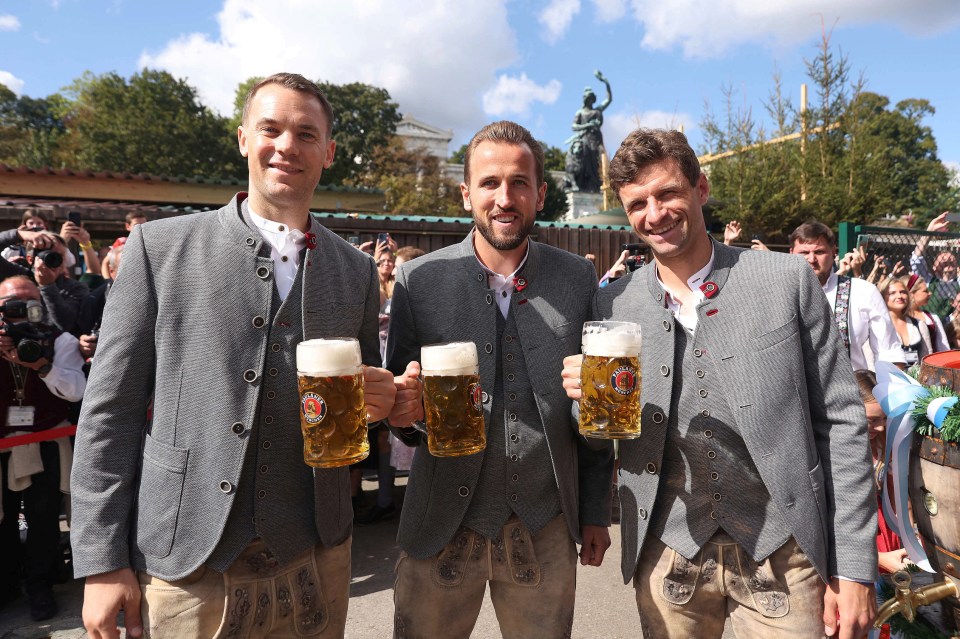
point(841, 312)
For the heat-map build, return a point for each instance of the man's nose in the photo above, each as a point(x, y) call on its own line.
point(504, 197)
point(285, 142)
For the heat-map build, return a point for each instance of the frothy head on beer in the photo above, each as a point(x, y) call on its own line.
point(611, 339)
point(328, 356)
point(458, 358)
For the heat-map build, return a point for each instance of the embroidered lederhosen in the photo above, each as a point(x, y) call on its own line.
point(841, 311)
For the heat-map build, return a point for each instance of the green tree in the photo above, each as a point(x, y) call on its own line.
point(554, 202)
point(458, 156)
point(153, 123)
point(29, 128)
point(554, 159)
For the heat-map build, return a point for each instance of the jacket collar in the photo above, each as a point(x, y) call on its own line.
point(468, 259)
point(724, 257)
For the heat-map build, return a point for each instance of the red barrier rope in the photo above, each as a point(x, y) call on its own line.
point(42, 436)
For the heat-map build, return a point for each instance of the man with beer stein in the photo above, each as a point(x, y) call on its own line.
point(511, 513)
point(202, 519)
point(748, 494)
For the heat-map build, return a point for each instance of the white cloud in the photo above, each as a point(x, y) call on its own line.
point(12, 82)
point(618, 125)
point(516, 95)
point(704, 29)
point(610, 10)
point(9, 22)
point(556, 18)
point(436, 61)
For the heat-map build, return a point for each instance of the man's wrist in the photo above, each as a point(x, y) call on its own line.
point(44, 370)
point(85, 247)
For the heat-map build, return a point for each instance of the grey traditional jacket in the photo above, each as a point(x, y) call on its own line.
point(443, 297)
point(769, 333)
point(186, 330)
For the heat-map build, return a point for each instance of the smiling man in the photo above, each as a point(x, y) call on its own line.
point(748, 494)
point(189, 459)
point(511, 514)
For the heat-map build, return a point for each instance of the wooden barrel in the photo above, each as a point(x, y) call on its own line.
point(935, 484)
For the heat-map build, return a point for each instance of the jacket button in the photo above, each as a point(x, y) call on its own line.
point(713, 515)
point(642, 514)
point(514, 438)
point(480, 277)
point(513, 397)
point(226, 487)
point(703, 392)
point(717, 496)
point(266, 445)
point(261, 494)
point(272, 372)
point(659, 297)
point(238, 428)
point(715, 476)
point(484, 397)
point(700, 374)
point(509, 357)
point(464, 491)
point(263, 272)
point(711, 454)
point(513, 497)
point(697, 352)
point(513, 417)
point(664, 370)
point(250, 375)
point(263, 469)
point(488, 347)
point(666, 326)
point(708, 433)
point(268, 419)
point(489, 298)
point(509, 338)
point(651, 468)
point(275, 348)
point(271, 395)
point(250, 241)
point(705, 413)
point(514, 457)
point(658, 417)
point(515, 477)
point(511, 377)
point(258, 322)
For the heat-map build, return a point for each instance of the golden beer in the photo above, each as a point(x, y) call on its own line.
point(610, 380)
point(333, 416)
point(452, 399)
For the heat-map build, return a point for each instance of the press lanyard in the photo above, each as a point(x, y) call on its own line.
point(19, 381)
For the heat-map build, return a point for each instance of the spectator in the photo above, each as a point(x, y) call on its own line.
point(133, 218)
point(33, 220)
point(617, 270)
point(732, 231)
point(858, 308)
point(915, 339)
point(33, 397)
point(407, 253)
point(61, 296)
point(943, 281)
point(919, 299)
point(91, 311)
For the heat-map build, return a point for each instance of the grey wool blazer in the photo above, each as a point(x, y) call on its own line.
point(182, 331)
point(443, 297)
point(770, 334)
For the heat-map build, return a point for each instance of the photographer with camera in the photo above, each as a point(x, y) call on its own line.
point(41, 374)
point(47, 262)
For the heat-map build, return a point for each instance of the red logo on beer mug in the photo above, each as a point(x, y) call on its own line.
point(476, 396)
point(313, 407)
point(624, 380)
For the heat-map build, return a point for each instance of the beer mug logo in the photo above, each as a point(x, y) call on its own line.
point(624, 380)
point(476, 396)
point(313, 407)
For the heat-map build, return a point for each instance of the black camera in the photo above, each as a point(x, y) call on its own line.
point(49, 257)
point(33, 340)
point(636, 259)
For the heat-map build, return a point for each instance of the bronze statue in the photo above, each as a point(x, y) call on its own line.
point(586, 145)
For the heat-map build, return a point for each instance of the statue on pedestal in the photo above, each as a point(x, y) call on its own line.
point(586, 145)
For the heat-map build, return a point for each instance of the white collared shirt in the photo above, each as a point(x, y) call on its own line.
point(502, 285)
point(285, 246)
point(869, 324)
point(689, 319)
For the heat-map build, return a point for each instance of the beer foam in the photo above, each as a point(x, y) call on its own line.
point(613, 343)
point(457, 358)
point(328, 356)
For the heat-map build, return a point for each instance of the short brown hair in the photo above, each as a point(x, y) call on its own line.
point(810, 232)
point(407, 253)
point(296, 82)
point(133, 215)
point(644, 147)
point(505, 132)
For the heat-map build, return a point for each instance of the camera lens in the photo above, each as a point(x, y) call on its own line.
point(51, 259)
point(29, 351)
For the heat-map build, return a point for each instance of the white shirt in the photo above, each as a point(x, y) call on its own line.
point(285, 246)
point(502, 285)
point(65, 379)
point(869, 323)
point(689, 320)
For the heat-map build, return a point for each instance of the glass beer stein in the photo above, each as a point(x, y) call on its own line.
point(333, 416)
point(452, 399)
point(610, 380)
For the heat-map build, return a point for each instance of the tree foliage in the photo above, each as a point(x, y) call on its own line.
point(29, 128)
point(860, 159)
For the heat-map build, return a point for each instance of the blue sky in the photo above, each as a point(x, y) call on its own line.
point(458, 64)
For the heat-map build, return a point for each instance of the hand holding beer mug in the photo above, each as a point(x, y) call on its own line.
point(610, 380)
point(332, 412)
point(452, 399)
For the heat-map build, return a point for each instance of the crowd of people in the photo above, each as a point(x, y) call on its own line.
point(194, 513)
